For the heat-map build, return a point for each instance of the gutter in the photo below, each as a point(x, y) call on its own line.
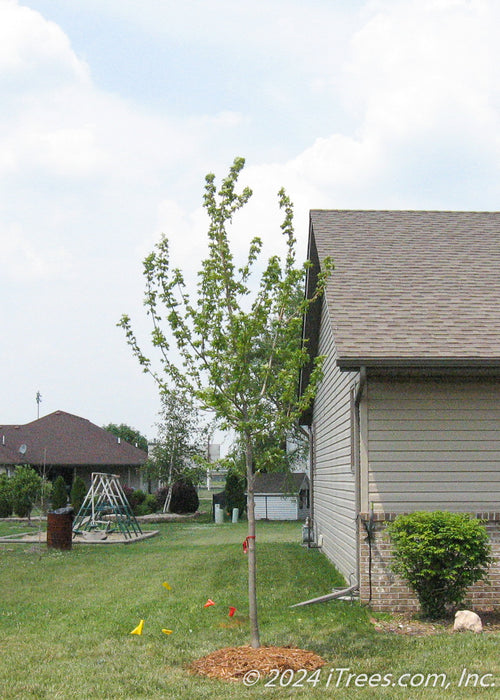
point(457, 363)
point(361, 385)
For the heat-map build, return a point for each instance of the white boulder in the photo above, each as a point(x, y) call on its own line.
point(467, 621)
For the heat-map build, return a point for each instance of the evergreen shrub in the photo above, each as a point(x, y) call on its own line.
point(78, 493)
point(235, 493)
point(59, 496)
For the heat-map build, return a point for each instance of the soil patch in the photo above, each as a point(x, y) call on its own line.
point(406, 624)
point(232, 663)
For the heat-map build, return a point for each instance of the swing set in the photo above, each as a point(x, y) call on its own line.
point(106, 509)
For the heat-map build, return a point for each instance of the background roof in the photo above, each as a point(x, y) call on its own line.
point(64, 439)
point(279, 482)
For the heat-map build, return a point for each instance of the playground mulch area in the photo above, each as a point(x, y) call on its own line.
point(83, 538)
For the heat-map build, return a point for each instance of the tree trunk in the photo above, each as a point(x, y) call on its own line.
point(252, 568)
point(166, 505)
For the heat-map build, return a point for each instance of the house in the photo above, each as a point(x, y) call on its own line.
point(62, 443)
point(407, 415)
point(281, 496)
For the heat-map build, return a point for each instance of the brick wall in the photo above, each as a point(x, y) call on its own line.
point(389, 592)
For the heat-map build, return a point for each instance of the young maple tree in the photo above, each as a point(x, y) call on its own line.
point(238, 342)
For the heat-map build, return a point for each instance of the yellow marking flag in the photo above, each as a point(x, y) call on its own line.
point(138, 629)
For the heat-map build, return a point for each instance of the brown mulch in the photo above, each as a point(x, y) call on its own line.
point(232, 663)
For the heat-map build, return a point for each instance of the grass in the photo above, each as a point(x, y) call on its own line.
point(66, 617)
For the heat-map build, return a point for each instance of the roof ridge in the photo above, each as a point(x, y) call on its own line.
point(408, 211)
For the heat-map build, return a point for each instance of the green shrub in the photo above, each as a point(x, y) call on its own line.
point(78, 493)
point(59, 496)
point(235, 493)
point(440, 555)
point(151, 503)
point(137, 501)
point(27, 489)
point(137, 498)
point(6, 502)
point(184, 497)
point(146, 507)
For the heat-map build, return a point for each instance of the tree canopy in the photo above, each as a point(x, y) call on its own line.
point(131, 435)
point(235, 345)
point(179, 449)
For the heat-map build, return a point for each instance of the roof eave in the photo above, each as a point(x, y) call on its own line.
point(454, 363)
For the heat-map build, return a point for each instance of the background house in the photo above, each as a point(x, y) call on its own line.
point(407, 416)
point(62, 443)
point(281, 496)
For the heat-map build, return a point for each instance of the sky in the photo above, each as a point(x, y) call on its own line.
point(113, 111)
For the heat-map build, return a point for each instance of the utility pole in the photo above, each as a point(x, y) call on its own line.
point(38, 402)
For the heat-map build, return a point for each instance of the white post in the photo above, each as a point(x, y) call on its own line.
point(219, 514)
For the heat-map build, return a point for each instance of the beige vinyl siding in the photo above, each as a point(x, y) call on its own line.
point(434, 443)
point(334, 499)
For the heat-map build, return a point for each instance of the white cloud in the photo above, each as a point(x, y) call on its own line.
point(34, 51)
point(422, 83)
point(413, 60)
point(22, 260)
point(90, 179)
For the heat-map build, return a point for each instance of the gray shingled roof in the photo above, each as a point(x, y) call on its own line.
point(63, 439)
point(415, 287)
point(278, 483)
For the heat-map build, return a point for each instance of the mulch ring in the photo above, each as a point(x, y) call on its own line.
point(232, 663)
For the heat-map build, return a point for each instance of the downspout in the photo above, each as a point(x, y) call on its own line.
point(309, 434)
point(310, 519)
point(369, 524)
point(361, 386)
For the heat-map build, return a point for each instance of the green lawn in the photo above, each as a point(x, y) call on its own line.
point(66, 619)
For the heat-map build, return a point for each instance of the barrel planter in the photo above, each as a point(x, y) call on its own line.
point(60, 528)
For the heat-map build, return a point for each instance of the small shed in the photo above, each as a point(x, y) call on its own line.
point(281, 496)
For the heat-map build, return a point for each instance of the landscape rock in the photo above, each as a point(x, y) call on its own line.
point(467, 621)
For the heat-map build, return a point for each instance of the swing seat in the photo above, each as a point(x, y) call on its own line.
point(95, 535)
